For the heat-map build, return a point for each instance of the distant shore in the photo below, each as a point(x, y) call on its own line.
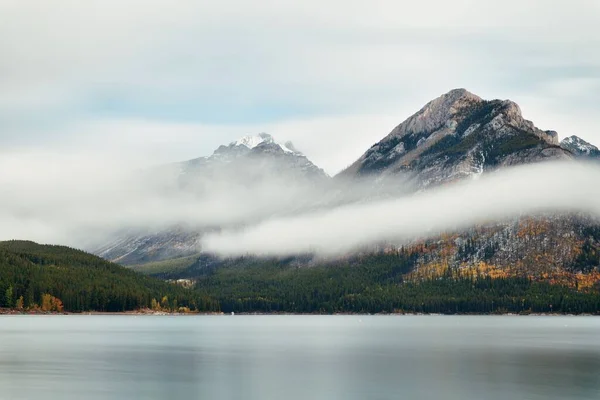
point(5, 311)
point(148, 312)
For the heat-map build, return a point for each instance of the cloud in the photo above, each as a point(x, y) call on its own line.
point(525, 190)
point(86, 199)
point(258, 207)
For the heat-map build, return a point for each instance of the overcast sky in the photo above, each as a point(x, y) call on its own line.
point(155, 81)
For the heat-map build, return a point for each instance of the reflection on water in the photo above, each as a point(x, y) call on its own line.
point(299, 357)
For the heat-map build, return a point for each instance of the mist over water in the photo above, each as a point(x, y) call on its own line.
point(299, 357)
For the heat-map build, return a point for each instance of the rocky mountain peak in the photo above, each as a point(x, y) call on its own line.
point(263, 139)
point(256, 145)
point(579, 147)
point(252, 157)
point(437, 113)
point(251, 141)
point(459, 134)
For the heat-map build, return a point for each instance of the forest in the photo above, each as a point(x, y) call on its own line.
point(378, 284)
point(58, 278)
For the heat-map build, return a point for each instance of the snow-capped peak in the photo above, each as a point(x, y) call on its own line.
point(575, 143)
point(252, 141)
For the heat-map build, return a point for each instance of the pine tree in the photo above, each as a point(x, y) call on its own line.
point(8, 297)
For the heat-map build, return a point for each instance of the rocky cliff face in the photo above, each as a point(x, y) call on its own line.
point(459, 135)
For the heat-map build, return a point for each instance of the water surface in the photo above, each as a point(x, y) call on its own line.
point(299, 357)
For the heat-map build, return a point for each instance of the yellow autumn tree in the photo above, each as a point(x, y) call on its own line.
point(164, 303)
point(46, 302)
point(51, 303)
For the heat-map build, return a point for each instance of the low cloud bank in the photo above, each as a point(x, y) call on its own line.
point(88, 200)
point(260, 207)
point(556, 187)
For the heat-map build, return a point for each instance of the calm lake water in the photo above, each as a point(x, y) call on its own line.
point(299, 357)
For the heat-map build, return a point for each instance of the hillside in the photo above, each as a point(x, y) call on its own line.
point(59, 278)
point(386, 282)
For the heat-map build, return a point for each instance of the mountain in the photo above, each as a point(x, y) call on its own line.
point(541, 263)
point(57, 278)
point(252, 166)
point(253, 157)
point(458, 135)
point(580, 148)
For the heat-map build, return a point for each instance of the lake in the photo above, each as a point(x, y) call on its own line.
point(299, 357)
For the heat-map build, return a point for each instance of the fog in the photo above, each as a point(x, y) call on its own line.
point(525, 190)
point(259, 207)
point(87, 200)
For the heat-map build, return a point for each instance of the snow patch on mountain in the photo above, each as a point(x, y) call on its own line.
point(579, 146)
point(252, 141)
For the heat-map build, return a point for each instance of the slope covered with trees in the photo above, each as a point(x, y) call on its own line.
point(57, 278)
point(385, 283)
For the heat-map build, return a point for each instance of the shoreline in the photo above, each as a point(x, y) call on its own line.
point(191, 314)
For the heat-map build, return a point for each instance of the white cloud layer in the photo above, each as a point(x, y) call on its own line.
point(526, 190)
point(258, 208)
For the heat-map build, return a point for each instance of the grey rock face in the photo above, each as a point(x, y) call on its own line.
point(459, 135)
